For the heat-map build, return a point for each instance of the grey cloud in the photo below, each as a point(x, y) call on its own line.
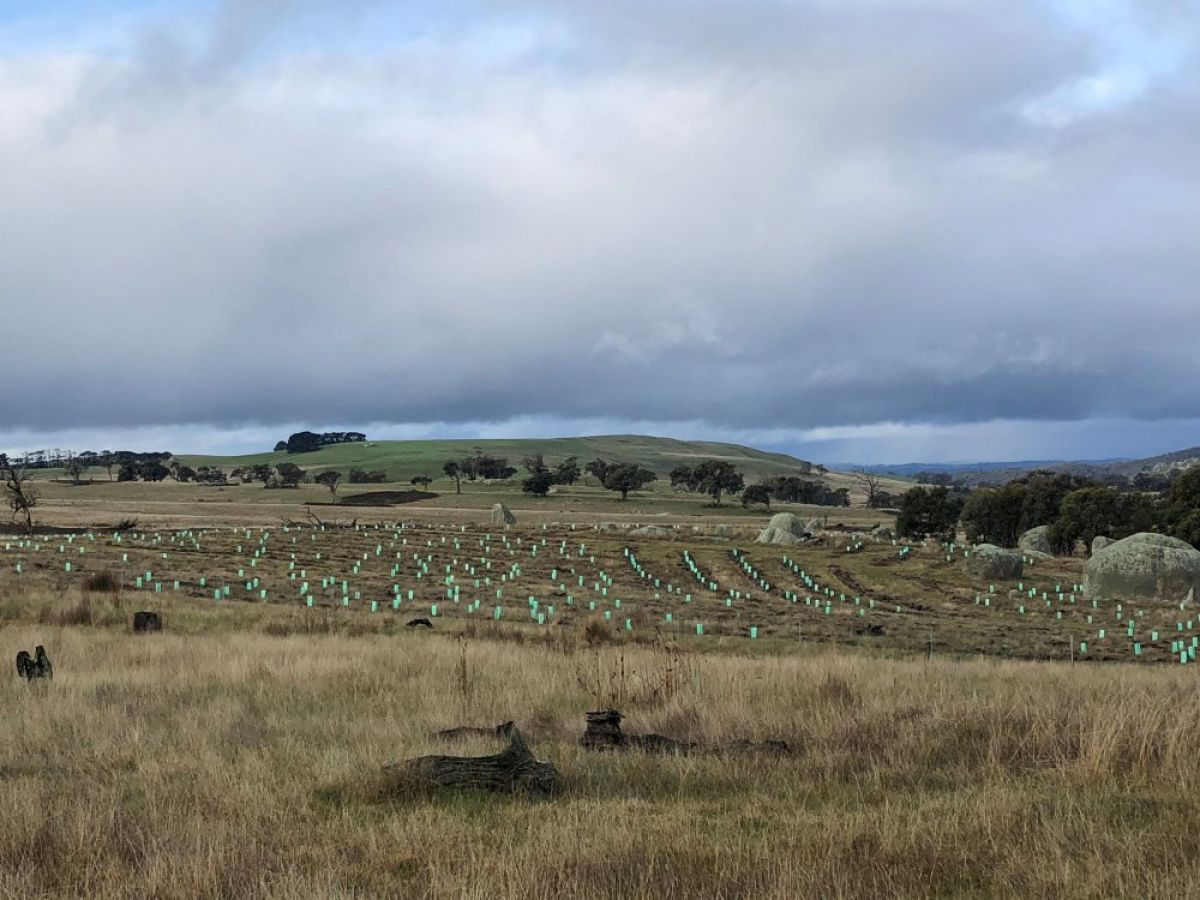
point(763, 215)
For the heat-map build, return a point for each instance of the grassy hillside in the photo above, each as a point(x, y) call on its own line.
point(404, 459)
point(977, 474)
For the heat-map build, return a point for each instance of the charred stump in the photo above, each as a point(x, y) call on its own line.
point(144, 622)
point(604, 733)
point(36, 666)
point(513, 770)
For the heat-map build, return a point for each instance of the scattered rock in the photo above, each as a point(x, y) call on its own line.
point(994, 563)
point(1036, 540)
point(777, 537)
point(783, 529)
point(419, 623)
point(656, 531)
point(882, 533)
point(725, 531)
point(502, 515)
point(1143, 567)
point(1099, 542)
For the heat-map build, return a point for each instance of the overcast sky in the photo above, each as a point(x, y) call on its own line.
point(857, 230)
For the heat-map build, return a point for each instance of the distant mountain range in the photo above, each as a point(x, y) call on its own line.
point(999, 472)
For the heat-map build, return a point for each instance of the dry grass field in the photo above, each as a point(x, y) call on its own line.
point(691, 587)
point(940, 742)
point(169, 504)
point(243, 761)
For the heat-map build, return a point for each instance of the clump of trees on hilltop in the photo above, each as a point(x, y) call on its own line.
point(308, 441)
point(478, 466)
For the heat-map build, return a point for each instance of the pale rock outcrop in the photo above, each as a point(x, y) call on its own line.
point(994, 563)
point(1144, 567)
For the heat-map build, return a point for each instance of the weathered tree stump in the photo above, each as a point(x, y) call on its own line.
point(144, 622)
point(513, 770)
point(41, 663)
point(604, 733)
point(36, 666)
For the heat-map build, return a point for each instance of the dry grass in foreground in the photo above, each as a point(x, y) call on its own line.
point(240, 764)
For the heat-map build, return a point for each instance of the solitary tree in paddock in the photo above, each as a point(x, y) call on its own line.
point(716, 477)
point(870, 484)
point(76, 469)
point(454, 470)
point(626, 477)
point(290, 474)
point(567, 471)
point(538, 483)
point(685, 476)
point(534, 464)
point(421, 481)
point(597, 467)
point(22, 498)
point(330, 480)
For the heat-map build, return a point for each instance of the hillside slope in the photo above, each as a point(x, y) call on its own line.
point(404, 459)
point(999, 472)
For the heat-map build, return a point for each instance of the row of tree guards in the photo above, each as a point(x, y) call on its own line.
point(466, 573)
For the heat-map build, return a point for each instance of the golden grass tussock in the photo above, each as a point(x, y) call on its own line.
point(235, 761)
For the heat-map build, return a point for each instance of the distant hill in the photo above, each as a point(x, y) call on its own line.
point(1158, 465)
point(404, 459)
point(1025, 465)
point(1000, 472)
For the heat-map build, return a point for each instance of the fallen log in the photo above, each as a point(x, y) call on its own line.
point(513, 770)
point(464, 731)
point(604, 733)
